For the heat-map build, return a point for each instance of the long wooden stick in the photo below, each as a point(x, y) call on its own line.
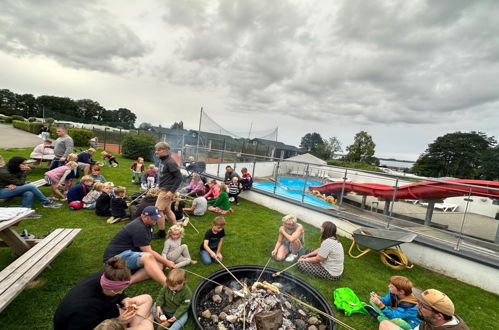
point(145, 318)
point(242, 285)
point(285, 269)
point(258, 279)
point(190, 222)
point(204, 278)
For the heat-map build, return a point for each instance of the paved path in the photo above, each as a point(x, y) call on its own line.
point(11, 137)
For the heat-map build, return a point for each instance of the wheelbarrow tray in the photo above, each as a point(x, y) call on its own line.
point(381, 239)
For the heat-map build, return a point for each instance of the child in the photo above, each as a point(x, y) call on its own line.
point(247, 180)
point(90, 199)
point(199, 204)
point(399, 306)
point(212, 243)
point(77, 192)
point(150, 176)
point(234, 190)
point(118, 206)
point(195, 184)
point(178, 209)
point(148, 200)
point(137, 170)
point(221, 204)
point(173, 301)
point(174, 250)
point(57, 176)
point(95, 174)
point(103, 203)
point(214, 190)
point(110, 158)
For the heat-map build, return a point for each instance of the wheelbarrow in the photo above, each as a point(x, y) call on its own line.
point(382, 240)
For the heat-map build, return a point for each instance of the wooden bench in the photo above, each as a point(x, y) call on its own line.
point(15, 277)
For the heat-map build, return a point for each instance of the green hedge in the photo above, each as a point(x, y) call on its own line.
point(134, 146)
point(27, 126)
point(6, 119)
point(360, 166)
point(17, 117)
point(80, 136)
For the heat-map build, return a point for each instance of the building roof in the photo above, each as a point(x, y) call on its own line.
point(308, 158)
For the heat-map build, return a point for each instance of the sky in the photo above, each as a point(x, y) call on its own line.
point(406, 72)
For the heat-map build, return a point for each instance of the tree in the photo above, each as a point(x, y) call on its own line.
point(178, 125)
point(334, 146)
point(145, 126)
point(362, 149)
point(310, 141)
point(88, 109)
point(459, 155)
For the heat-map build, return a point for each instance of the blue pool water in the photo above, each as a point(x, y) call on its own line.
point(292, 189)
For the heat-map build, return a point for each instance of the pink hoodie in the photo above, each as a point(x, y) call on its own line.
point(214, 192)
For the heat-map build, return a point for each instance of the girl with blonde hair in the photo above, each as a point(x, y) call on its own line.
point(174, 250)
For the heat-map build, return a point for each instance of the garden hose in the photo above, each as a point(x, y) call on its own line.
point(395, 259)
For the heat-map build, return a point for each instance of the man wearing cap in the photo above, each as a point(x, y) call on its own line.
point(169, 181)
point(132, 244)
point(436, 310)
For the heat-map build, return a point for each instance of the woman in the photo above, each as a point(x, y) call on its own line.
point(196, 184)
point(326, 261)
point(99, 296)
point(290, 240)
point(13, 183)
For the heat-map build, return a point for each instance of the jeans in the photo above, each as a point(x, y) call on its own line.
point(206, 258)
point(28, 191)
point(178, 324)
point(55, 163)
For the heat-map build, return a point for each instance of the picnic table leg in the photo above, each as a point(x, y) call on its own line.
point(18, 245)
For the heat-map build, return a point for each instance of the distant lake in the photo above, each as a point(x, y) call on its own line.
point(394, 163)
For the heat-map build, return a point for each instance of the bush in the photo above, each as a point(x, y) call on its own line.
point(359, 166)
point(80, 136)
point(49, 120)
point(31, 119)
point(26, 126)
point(6, 119)
point(17, 117)
point(134, 146)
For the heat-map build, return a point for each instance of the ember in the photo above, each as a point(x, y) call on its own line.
point(259, 305)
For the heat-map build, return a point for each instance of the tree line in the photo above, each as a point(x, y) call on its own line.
point(64, 108)
point(463, 155)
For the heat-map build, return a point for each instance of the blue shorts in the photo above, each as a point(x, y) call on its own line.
point(132, 259)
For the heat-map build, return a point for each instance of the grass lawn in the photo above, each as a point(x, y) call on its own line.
point(251, 234)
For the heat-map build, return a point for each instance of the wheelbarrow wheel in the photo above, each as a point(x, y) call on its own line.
point(394, 258)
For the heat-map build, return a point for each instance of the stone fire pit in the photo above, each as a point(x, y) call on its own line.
point(263, 305)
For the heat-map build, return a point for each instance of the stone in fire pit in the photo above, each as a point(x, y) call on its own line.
point(271, 320)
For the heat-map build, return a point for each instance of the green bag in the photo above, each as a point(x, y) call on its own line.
point(346, 300)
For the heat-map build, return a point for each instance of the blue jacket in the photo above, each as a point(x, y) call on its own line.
point(406, 309)
point(77, 192)
point(84, 157)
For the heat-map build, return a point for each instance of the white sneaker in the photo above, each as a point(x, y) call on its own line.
point(291, 257)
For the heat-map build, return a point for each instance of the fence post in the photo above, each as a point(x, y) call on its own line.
point(343, 187)
point(393, 202)
point(276, 175)
point(459, 239)
point(119, 145)
point(105, 137)
point(304, 183)
point(219, 161)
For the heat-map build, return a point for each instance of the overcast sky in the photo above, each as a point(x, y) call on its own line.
point(404, 71)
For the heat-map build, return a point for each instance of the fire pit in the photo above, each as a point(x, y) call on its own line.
point(261, 306)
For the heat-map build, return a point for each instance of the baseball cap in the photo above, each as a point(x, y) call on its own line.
point(437, 300)
point(152, 212)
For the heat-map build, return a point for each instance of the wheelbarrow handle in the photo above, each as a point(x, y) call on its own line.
point(363, 252)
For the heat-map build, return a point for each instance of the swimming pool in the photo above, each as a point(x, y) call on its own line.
point(292, 189)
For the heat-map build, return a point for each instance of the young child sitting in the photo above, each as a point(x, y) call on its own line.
point(246, 180)
point(221, 204)
point(96, 174)
point(212, 243)
point(90, 199)
point(79, 191)
point(137, 170)
point(148, 200)
point(173, 301)
point(57, 176)
point(118, 206)
point(199, 204)
point(174, 250)
point(234, 190)
point(110, 158)
point(103, 202)
point(399, 306)
point(214, 190)
point(150, 176)
point(178, 209)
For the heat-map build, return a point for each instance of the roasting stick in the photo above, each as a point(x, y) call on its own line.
point(285, 269)
point(190, 222)
point(145, 318)
point(346, 326)
point(258, 280)
point(242, 285)
point(204, 278)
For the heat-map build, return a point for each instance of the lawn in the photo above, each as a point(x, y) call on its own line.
point(251, 234)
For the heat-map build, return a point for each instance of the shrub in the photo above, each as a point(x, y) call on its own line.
point(6, 119)
point(17, 117)
point(134, 146)
point(360, 166)
point(31, 119)
point(49, 120)
point(80, 136)
point(26, 126)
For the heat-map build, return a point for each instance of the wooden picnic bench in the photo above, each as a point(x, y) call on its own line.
point(15, 277)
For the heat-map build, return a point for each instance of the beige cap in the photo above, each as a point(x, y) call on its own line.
point(437, 300)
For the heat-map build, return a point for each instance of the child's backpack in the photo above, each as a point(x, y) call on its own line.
point(346, 300)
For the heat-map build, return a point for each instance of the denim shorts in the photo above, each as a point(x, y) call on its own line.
point(132, 259)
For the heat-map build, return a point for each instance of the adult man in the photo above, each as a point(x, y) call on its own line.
point(436, 311)
point(132, 244)
point(169, 181)
point(85, 160)
point(63, 146)
point(229, 174)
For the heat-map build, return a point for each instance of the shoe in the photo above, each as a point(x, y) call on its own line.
point(33, 216)
point(291, 257)
point(110, 220)
point(157, 235)
point(370, 309)
point(27, 235)
point(52, 205)
point(185, 222)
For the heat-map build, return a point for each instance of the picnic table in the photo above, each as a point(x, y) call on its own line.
point(9, 236)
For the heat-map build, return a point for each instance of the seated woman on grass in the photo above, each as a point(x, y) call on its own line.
point(327, 261)
point(290, 239)
point(221, 205)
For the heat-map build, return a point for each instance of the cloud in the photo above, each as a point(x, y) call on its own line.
point(76, 34)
